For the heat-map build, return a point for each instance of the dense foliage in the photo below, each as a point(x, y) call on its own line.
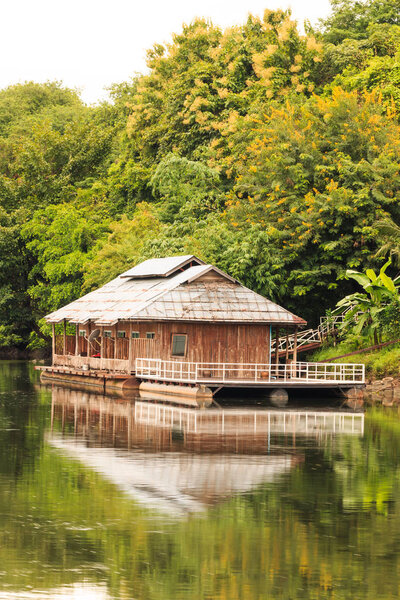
point(271, 153)
point(375, 311)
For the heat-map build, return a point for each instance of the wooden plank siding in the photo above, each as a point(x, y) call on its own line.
point(206, 342)
point(70, 344)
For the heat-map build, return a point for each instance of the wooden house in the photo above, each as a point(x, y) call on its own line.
point(180, 320)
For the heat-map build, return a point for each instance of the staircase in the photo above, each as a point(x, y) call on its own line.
point(309, 339)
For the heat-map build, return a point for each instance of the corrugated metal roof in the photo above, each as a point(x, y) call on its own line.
point(216, 302)
point(178, 297)
point(161, 267)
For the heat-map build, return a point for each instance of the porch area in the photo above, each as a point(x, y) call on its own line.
point(106, 354)
point(295, 374)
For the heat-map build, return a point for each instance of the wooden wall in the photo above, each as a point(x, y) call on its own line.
point(220, 342)
point(206, 342)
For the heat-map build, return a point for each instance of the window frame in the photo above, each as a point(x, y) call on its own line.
point(121, 334)
point(82, 333)
point(107, 333)
point(150, 335)
point(184, 335)
point(135, 335)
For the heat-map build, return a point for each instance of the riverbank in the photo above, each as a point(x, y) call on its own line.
point(9, 353)
point(381, 363)
point(382, 370)
point(385, 391)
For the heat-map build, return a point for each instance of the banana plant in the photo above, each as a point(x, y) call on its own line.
point(362, 309)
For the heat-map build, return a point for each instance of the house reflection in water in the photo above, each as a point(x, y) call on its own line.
point(180, 460)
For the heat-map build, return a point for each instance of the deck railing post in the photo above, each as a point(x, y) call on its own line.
point(130, 349)
point(295, 348)
point(102, 347)
point(64, 337)
point(53, 339)
point(287, 346)
point(195, 372)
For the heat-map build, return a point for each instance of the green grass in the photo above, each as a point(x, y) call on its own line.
point(379, 363)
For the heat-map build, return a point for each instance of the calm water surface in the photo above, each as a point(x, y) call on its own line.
point(104, 499)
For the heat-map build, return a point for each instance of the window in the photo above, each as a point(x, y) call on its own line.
point(107, 334)
point(82, 333)
point(150, 335)
point(121, 334)
point(135, 335)
point(179, 345)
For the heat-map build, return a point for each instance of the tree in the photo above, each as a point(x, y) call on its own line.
point(199, 84)
point(122, 248)
point(60, 240)
point(16, 318)
point(350, 19)
point(186, 188)
point(363, 310)
point(316, 176)
point(389, 235)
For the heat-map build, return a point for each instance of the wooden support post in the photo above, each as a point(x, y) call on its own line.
point(295, 350)
point(53, 340)
point(130, 357)
point(116, 341)
point(64, 337)
point(287, 346)
point(77, 339)
point(101, 345)
point(88, 344)
point(277, 350)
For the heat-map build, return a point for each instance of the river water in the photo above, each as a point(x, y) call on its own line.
point(103, 498)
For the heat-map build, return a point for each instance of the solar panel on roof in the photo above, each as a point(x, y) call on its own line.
point(160, 267)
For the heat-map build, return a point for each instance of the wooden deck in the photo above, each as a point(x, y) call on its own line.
point(299, 374)
point(215, 375)
point(92, 373)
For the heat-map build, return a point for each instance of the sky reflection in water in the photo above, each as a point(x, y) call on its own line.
point(103, 498)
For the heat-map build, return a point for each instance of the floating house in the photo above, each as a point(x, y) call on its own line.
point(181, 322)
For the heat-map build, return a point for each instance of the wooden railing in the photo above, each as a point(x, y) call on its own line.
point(244, 422)
point(112, 348)
point(230, 373)
point(310, 337)
point(307, 337)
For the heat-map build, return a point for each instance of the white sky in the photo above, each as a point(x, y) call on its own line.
point(89, 44)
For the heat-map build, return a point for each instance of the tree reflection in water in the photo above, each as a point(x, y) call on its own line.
point(323, 522)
